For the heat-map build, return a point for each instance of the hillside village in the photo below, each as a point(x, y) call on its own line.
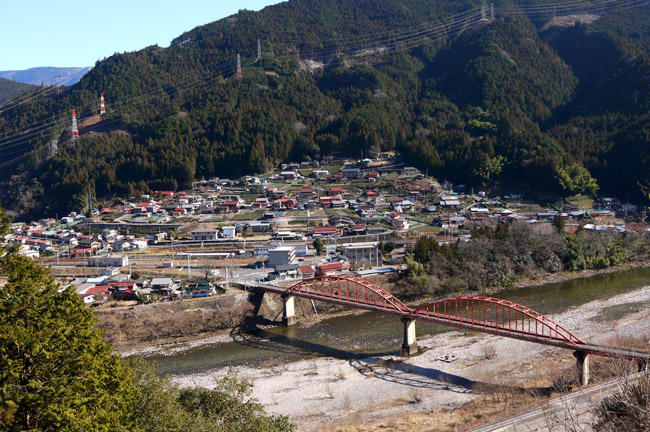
point(302, 220)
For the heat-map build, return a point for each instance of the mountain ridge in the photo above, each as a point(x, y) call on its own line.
point(473, 100)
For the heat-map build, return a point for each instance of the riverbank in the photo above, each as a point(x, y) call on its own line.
point(429, 391)
point(171, 328)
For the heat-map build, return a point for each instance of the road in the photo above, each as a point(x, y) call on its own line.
point(575, 409)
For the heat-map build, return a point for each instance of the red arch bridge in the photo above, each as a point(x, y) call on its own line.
point(473, 313)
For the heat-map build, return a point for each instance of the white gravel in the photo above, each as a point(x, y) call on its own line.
point(330, 392)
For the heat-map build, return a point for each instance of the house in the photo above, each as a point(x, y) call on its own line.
point(163, 286)
point(400, 224)
point(357, 230)
point(282, 255)
point(109, 271)
point(306, 271)
point(285, 271)
point(320, 174)
point(350, 173)
point(202, 235)
point(324, 231)
point(229, 232)
point(258, 226)
point(410, 171)
point(306, 193)
point(90, 243)
point(200, 288)
point(332, 267)
point(139, 243)
point(289, 175)
point(449, 201)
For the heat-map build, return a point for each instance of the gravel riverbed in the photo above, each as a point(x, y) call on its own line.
point(331, 393)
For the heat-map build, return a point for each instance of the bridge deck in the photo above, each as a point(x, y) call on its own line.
point(464, 324)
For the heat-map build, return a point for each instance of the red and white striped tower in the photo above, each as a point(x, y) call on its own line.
point(75, 130)
point(239, 74)
point(102, 108)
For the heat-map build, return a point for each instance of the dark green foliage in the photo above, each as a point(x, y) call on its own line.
point(164, 407)
point(56, 373)
point(564, 109)
point(12, 90)
point(318, 245)
point(499, 255)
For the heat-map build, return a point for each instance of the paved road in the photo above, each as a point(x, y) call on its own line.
point(572, 409)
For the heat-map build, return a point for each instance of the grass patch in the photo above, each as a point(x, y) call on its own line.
point(582, 201)
point(248, 215)
point(425, 228)
point(332, 169)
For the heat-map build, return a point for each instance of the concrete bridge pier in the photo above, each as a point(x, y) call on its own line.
point(582, 363)
point(410, 345)
point(289, 311)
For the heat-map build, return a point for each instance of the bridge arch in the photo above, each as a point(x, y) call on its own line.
point(350, 289)
point(502, 316)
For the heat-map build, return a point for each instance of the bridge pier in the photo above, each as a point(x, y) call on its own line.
point(582, 363)
point(410, 345)
point(289, 311)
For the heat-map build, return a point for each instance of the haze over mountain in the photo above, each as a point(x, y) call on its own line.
point(47, 75)
point(548, 94)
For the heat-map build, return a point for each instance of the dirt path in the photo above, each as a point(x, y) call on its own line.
point(409, 394)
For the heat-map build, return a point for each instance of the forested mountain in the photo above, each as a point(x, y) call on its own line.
point(526, 96)
point(11, 89)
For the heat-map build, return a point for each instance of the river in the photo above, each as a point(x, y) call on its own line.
point(366, 334)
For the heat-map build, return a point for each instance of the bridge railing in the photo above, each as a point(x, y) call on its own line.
point(492, 313)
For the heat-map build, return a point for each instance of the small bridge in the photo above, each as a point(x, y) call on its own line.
point(473, 313)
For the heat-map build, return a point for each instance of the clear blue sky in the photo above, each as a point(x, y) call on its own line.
point(78, 33)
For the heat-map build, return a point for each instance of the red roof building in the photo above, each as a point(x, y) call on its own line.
point(332, 267)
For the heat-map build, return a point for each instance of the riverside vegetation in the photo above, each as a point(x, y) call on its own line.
point(503, 254)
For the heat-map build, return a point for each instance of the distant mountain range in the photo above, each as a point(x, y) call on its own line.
point(47, 75)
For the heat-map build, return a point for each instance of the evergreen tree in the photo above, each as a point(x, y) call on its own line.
point(56, 373)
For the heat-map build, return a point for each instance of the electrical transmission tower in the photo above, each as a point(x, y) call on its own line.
point(239, 74)
point(259, 50)
point(75, 130)
point(102, 107)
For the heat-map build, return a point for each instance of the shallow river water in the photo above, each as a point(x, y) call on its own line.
point(368, 334)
